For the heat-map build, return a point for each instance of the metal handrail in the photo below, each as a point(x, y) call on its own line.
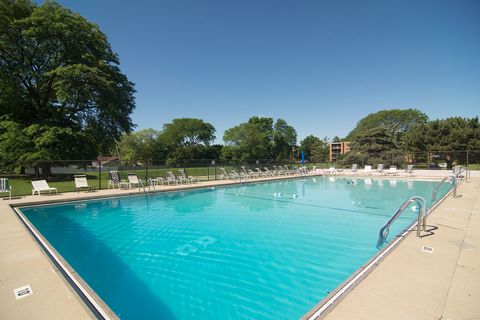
point(435, 190)
point(421, 220)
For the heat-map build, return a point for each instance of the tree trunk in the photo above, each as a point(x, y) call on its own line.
point(46, 170)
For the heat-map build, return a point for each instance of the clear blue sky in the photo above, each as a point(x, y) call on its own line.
point(320, 65)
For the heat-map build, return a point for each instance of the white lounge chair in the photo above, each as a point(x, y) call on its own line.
point(367, 170)
point(133, 181)
point(331, 171)
point(41, 186)
point(185, 176)
point(81, 183)
point(409, 170)
point(379, 170)
point(224, 175)
point(392, 171)
point(5, 187)
point(354, 169)
point(172, 178)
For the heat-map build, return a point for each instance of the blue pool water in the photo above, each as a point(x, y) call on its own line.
point(239, 252)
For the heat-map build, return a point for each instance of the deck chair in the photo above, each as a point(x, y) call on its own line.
point(183, 173)
point(392, 171)
point(409, 170)
point(5, 187)
point(224, 175)
point(379, 169)
point(354, 169)
point(253, 174)
point(42, 186)
point(271, 173)
point(133, 181)
point(114, 179)
point(367, 170)
point(331, 171)
point(260, 172)
point(171, 177)
point(81, 183)
point(245, 173)
point(182, 176)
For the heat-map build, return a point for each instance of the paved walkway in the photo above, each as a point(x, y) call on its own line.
point(445, 283)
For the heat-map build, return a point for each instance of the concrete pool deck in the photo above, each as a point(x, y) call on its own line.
point(443, 284)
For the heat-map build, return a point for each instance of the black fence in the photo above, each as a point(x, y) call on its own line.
point(60, 174)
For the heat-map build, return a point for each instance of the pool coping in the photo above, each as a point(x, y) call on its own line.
point(100, 309)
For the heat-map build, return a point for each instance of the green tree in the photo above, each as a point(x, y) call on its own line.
point(372, 146)
point(395, 121)
point(249, 140)
point(60, 84)
point(141, 145)
point(187, 138)
point(284, 139)
point(446, 136)
point(316, 149)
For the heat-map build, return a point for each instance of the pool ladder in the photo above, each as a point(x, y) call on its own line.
point(421, 220)
point(453, 181)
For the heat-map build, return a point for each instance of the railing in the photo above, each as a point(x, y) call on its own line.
point(453, 179)
point(421, 220)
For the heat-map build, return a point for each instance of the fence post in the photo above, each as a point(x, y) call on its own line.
point(99, 175)
point(146, 170)
point(467, 158)
point(428, 161)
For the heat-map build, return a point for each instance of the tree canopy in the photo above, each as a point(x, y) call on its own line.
point(395, 121)
point(315, 149)
point(259, 138)
point(62, 94)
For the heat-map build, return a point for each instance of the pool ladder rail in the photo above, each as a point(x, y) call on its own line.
point(453, 181)
point(421, 220)
point(422, 207)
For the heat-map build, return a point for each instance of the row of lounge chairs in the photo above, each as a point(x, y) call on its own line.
point(368, 171)
point(245, 173)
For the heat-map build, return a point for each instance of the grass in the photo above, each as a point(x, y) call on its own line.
point(21, 185)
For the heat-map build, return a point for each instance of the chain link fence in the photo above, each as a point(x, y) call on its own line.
point(60, 174)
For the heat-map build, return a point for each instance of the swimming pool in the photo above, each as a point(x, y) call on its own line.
point(268, 250)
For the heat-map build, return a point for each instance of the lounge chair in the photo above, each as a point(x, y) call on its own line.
point(236, 175)
point(331, 171)
point(367, 170)
point(456, 171)
point(81, 183)
point(184, 175)
point(224, 175)
point(261, 173)
point(354, 169)
point(5, 187)
point(269, 173)
point(40, 186)
point(114, 179)
point(133, 181)
point(392, 171)
point(172, 178)
point(379, 170)
point(253, 174)
point(409, 170)
point(245, 172)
